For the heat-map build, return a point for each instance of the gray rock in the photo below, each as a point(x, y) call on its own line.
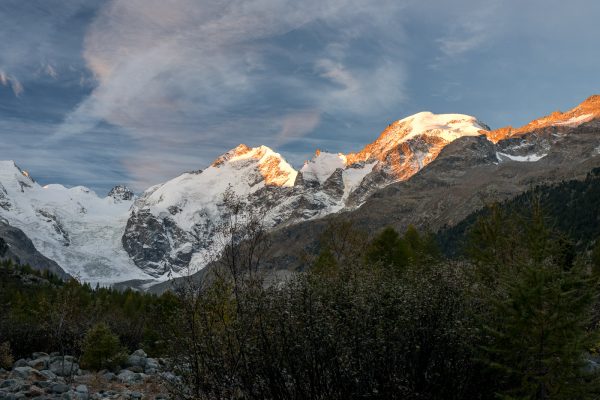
point(109, 376)
point(136, 368)
point(74, 395)
point(22, 372)
point(39, 363)
point(81, 389)
point(61, 358)
point(136, 395)
point(21, 248)
point(59, 388)
point(35, 391)
point(136, 361)
point(13, 396)
point(39, 355)
point(49, 375)
point(151, 364)
point(64, 368)
point(8, 383)
point(127, 376)
point(140, 353)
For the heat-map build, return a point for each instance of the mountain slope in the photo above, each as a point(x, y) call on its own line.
point(571, 207)
point(71, 226)
point(21, 250)
point(171, 226)
point(467, 172)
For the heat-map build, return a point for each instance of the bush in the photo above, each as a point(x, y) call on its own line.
point(102, 349)
point(6, 357)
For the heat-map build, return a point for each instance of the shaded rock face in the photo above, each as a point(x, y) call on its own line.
point(20, 249)
point(150, 243)
point(121, 193)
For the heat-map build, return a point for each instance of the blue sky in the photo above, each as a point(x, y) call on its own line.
point(100, 92)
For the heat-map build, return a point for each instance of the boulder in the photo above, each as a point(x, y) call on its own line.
point(136, 361)
point(39, 363)
point(49, 375)
point(151, 365)
point(109, 376)
point(140, 353)
point(8, 383)
point(127, 376)
point(22, 372)
point(61, 358)
point(59, 388)
point(81, 389)
point(64, 368)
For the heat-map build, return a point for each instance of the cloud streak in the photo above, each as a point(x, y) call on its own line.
point(12, 82)
point(179, 71)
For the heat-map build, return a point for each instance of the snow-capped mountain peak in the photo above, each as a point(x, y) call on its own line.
point(271, 165)
point(447, 127)
point(586, 112)
point(322, 165)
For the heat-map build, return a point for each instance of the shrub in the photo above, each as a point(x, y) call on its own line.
point(102, 349)
point(6, 357)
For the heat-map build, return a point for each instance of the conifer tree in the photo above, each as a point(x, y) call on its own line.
point(540, 314)
point(389, 250)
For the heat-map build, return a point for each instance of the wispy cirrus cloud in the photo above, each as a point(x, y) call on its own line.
point(34, 40)
point(471, 29)
point(179, 71)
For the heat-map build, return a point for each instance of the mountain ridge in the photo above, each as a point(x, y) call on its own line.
point(167, 229)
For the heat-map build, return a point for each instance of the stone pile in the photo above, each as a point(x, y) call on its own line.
point(52, 376)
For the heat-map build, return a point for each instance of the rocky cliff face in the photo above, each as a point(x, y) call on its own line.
point(21, 250)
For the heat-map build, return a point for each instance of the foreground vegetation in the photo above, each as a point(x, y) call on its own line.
point(384, 318)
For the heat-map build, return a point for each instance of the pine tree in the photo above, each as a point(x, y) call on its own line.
point(540, 314)
point(101, 348)
point(389, 250)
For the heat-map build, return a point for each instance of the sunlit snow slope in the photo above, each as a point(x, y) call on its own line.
point(74, 227)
